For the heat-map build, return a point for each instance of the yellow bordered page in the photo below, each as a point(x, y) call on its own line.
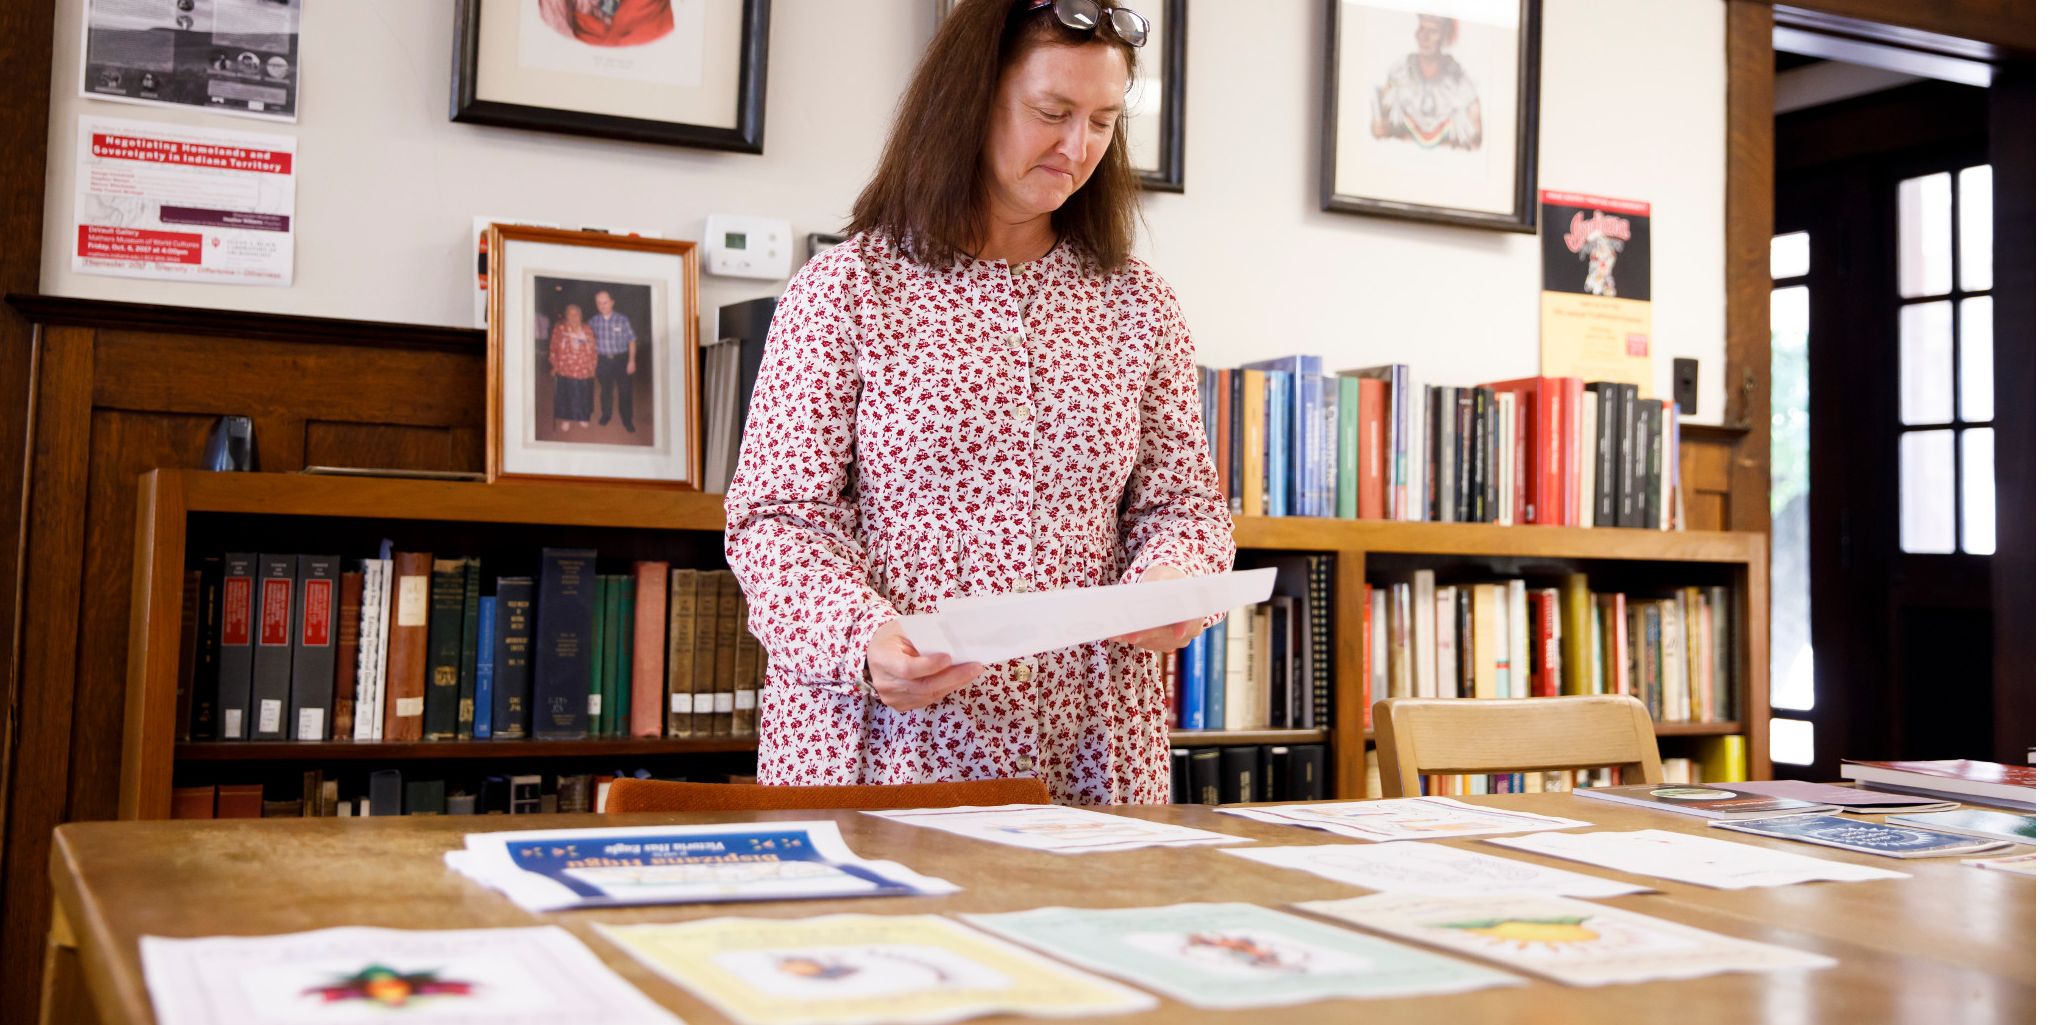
point(859, 969)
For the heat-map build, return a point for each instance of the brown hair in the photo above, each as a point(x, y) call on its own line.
point(927, 194)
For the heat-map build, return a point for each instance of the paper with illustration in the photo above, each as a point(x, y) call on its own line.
point(1434, 869)
point(857, 969)
point(1566, 940)
point(998, 627)
point(1057, 828)
point(1406, 818)
point(1224, 956)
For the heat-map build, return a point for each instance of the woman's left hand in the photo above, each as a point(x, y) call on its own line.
point(1163, 638)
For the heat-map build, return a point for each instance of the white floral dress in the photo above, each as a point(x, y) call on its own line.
point(919, 434)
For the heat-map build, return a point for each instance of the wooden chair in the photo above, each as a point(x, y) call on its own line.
point(632, 795)
point(1461, 736)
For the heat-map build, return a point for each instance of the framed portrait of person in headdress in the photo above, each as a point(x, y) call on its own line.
point(1430, 111)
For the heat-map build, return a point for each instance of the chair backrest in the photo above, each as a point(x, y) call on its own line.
point(631, 795)
point(1457, 736)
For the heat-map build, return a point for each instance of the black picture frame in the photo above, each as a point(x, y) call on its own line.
point(1173, 40)
point(1522, 218)
point(744, 137)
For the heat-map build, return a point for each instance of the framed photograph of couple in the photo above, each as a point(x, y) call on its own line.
point(678, 72)
point(593, 355)
point(1431, 110)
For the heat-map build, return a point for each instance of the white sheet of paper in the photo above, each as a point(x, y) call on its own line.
point(996, 627)
point(1405, 818)
point(530, 976)
point(1694, 859)
point(1432, 869)
point(1057, 828)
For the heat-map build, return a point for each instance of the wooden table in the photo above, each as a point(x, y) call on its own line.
point(1953, 945)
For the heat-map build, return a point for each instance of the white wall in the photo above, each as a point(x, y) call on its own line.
point(1633, 106)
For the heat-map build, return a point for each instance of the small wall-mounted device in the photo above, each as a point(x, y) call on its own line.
point(737, 246)
point(1686, 376)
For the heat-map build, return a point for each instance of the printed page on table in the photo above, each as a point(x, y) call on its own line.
point(1057, 828)
point(1406, 818)
point(1566, 940)
point(1433, 869)
point(562, 868)
point(2016, 864)
point(532, 976)
point(1225, 956)
point(1700, 860)
point(860, 969)
point(997, 627)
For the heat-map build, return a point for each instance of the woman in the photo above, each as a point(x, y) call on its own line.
point(979, 391)
point(573, 359)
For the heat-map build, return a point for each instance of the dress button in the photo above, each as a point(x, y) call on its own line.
point(1021, 587)
point(1021, 411)
point(1014, 338)
point(1024, 763)
point(1022, 672)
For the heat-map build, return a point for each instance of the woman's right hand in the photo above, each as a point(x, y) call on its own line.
point(904, 679)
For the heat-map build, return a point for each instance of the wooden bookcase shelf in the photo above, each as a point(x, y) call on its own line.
point(167, 499)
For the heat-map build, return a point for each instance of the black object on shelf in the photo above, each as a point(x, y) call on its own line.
point(231, 446)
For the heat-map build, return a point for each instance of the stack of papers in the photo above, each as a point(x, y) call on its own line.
point(1569, 941)
point(1057, 828)
point(854, 969)
point(1434, 869)
point(1693, 859)
point(553, 869)
point(1408, 818)
point(531, 976)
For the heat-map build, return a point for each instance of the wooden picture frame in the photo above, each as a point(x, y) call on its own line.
point(567, 412)
point(1409, 132)
point(522, 68)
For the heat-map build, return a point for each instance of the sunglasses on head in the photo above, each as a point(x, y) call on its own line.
point(1128, 24)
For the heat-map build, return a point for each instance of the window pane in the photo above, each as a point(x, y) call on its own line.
point(1925, 235)
point(1975, 358)
point(1791, 741)
point(1789, 255)
point(1925, 363)
point(1928, 492)
point(1975, 228)
point(1793, 652)
point(1978, 474)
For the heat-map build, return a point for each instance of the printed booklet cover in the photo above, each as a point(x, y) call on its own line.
point(1879, 838)
point(1988, 825)
point(1703, 802)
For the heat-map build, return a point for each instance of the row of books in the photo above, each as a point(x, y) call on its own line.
point(290, 647)
point(1511, 639)
point(1265, 666)
point(1376, 444)
point(392, 792)
point(1677, 770)
point(1248, 773)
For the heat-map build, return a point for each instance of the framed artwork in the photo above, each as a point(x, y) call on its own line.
point(593, 355)
point(1431, 109)
point(680, 72)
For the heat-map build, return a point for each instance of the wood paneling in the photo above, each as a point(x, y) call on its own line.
point(431, 448)
point(2009, 25)
point(1747, 276)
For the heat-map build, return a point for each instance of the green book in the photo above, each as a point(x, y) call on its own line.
point(466, 687)
point(444, 649)
point(601, 608)
point(1348, 446)
point(619, 682)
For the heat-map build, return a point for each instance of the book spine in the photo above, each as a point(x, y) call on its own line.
point(466, 683)
point(683, 627)
point(600, 656)
point(313, 646)
point(1576, 637)
point(619, 684)
point(651, 616)
point(1236, 418)
point(1224, 446)
point(1189, 680)
point(1322, 639)
point(348, 650)
point(1605, 454)
point(1253, 420)
point(720, 722)
point(1642, 440)
point(206, 673)
point(371, 634)
point(1374, 423)
point(188, 652)
point(705, 661)
point(1516, 617)
point(512, 670)
point(562, 644)
point(1568, 440)
point(748, 659)
point(1721, 653)
point(486, 669)
point(1306, 406)
point(1626, 484)
point(1348, 485)
point(1213, 675)
point(1281, 443)
point(1446, 468)
point(405, 681)
point(270, 673)
point(444, 649)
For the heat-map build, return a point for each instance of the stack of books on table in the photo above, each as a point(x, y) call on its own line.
point(1958, 779)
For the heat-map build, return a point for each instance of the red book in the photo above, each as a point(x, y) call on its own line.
point(1223, 417)
point(240, 801)
point(1367, 647)
point(192, 802)
point(650, 641)
point(1374, 436)
point(1956, 777)
point(405, 671)
point(1549, 411)
point(348, 645)
point(1544, 675)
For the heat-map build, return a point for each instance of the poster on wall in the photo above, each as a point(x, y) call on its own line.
point(229, 56)
point(178, 203)
point(1594, 319)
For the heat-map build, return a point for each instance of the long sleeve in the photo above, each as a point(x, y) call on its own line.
point(792, 526)
point(1172, 512)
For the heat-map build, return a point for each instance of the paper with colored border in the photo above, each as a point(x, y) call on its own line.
point(1405, 818)
point(859, 969)
point(1226, 956)
point(1566, 940)
point(1694, 859)
point(1057, 828)
point(1433, 869)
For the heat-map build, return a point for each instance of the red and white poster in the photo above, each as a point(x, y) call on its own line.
point(179, 203)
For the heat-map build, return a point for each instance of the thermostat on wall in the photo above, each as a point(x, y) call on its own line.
point(747, 247)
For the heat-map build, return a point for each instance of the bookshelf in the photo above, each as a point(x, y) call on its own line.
point(175, 508)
